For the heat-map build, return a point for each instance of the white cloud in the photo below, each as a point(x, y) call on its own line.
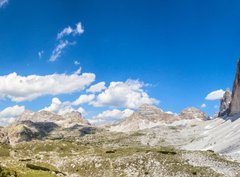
point(97, 87)
point(79, 28)
point(56, 53)
point(129, 94)
point(55, 105)
point(61, 108)
point(69, 30)
point(78, 71)
point(3, 3)
point(111, 116)
point(76, 63)
point(21, 88)
point(203, 105)
point(215, 95)
point(84, 99)
point(65, 32)
point(216, 106)
point(62, 44)
point(82, 111)
point(9, 114)
point(40, 53)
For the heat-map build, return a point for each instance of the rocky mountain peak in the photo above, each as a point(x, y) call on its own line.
point(75, 117)
point(25, 114)
point(193, 113)
point(44, 124)
point(68, 119)
point(145, 107)
point(225, 103)
point(147, 116)
point(149, 110)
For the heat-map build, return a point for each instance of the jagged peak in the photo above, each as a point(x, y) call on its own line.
point(225, 103)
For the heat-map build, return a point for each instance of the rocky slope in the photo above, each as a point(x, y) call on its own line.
point(73, 148)
point(144, 153)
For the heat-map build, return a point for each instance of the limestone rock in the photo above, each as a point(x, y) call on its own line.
point(74, 117)
point(66, 120)
point(147, 116)
point(193, 113)
point(235, 103)
point(45, 125)
point(225, 103)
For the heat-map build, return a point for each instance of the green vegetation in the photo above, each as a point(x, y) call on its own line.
point(137, 134)
point(4, 151)
point(96, 155)
point(4, 172)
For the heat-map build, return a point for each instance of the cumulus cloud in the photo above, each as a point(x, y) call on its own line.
point(111, 116)
point(84, 99)
point(56, 53)
point(97, 87)
point(55, 105)
point(129, 94)
point(215, 95)
point(9, 114)
point(21, 88)
point(70, 31)
point(3, 3)
point(61, 108)
point(203, 105)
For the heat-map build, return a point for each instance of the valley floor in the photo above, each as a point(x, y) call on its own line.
point(154, 152)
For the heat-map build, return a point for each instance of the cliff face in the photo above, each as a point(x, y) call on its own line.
point(225, 103)
point(235, 103)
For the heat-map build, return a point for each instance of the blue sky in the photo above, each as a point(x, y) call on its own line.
point(177, 51)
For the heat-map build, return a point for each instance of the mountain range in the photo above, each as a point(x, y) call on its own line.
point(150, 142)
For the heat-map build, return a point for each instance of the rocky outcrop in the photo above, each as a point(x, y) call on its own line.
point(73, 118)
point(193, 113)
point(147, 116)
point(45, 125)
point(235, 103)
point(65, 120)
point(225, 103)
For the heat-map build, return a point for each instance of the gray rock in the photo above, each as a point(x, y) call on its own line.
point(235, 103)
point(45, 125)
point(225, 103)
